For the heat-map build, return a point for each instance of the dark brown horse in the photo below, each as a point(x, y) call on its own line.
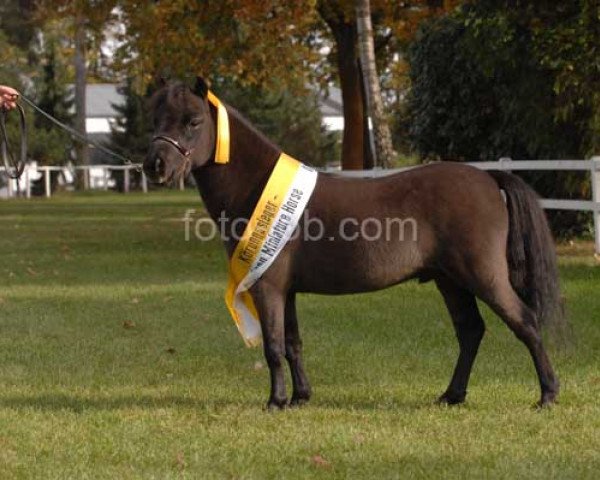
point(480, 235)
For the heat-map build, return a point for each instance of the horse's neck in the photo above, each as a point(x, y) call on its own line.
point(233, 189)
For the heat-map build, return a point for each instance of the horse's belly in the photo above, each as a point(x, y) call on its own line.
point(352, 267)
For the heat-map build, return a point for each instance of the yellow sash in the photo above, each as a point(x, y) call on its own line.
point(271, 225)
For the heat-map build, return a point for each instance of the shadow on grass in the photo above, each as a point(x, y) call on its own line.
point(80, 404)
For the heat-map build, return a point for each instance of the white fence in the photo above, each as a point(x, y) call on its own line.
point(99, 177)
point(95, 177)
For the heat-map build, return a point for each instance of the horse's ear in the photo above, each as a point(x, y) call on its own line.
point(159, 81)
point(201, 87)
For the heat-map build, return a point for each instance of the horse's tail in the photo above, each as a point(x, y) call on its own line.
point(531, 253)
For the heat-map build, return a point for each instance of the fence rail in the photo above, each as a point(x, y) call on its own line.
point(591, 166)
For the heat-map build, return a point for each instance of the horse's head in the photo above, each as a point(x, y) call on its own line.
point(184, 131)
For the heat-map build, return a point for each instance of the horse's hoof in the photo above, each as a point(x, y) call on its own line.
point(548, 400)
point(449, 398)
point(276, 405)
point(298, 402)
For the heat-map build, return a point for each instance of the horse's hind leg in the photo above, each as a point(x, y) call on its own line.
point(293, 353)
point(469, 328)
point(523, 323)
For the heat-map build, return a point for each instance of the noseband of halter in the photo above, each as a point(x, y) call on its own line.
point(184, 151)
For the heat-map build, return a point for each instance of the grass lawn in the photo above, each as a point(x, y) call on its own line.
point(118, 360)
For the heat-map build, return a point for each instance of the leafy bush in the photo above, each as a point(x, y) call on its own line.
point(482, 90)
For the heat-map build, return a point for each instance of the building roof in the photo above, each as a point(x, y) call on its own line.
point(330, 102)
point(100, 98)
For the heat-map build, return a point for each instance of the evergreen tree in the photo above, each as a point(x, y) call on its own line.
point(53, 96)
point(132, 131)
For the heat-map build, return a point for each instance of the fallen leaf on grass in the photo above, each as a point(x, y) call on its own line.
point(128, 324)
point(180, 460)
point(258, 366)
point(32, 272)
point(319, 461)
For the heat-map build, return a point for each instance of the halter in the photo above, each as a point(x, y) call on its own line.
point(184, 151)
point(222, 126)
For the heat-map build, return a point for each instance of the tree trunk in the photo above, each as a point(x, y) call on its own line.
point(80, 79)
point(369, 160)
point(384, 151)
point(345, 36)
point(350, 83)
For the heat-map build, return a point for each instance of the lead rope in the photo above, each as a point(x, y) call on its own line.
point(13, 167)
point(15, 170)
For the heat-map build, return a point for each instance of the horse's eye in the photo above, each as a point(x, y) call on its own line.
point(196, 122)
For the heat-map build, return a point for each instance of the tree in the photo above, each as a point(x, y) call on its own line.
point(394, 26)
point(80, 87)
point(45, 145)
point(384, 151)
point(52, 94)
point(303, 137)
point(132, 131)
point(82, 20)
point(256, 42)
point(487, 84)
point(16, 21)
point(267, 44)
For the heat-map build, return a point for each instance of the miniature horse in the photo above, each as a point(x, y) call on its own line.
point(480, 235)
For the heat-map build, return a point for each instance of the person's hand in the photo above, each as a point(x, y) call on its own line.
point(8, 97)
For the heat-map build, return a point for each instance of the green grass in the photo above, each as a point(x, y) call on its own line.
point(118, 359)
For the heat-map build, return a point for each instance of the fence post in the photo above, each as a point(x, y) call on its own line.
point(86, 177)
point(181, 183)
point(9, 187)
point(126, 179)
point(47, 182)
point(105, 177)
point(144, 183)
point(27, 183)
point(595, 181)
point(505, 164)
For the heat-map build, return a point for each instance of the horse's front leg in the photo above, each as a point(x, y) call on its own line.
point(293, 353)
point(270, 304)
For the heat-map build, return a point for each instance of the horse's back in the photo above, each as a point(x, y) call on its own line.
point(380, 231)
